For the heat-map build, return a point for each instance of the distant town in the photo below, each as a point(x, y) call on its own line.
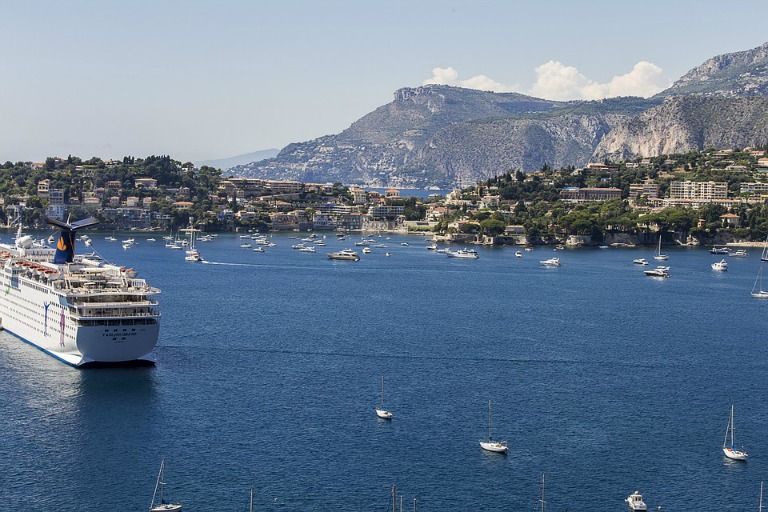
point(712, 196)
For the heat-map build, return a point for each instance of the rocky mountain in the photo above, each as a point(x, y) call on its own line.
point(722, 103)
point(441, 136)
point(686, 123)
point(730, 75)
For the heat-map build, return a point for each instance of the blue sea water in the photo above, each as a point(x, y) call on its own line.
point(269, 368)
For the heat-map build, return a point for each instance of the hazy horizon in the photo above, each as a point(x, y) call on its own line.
point(209, 81)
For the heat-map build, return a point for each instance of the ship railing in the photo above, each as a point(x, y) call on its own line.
point(111, 304)
point(152, 313)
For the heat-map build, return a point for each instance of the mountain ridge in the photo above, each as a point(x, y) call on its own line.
point(443, 136)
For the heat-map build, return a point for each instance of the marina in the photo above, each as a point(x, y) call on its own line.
point(260, 351)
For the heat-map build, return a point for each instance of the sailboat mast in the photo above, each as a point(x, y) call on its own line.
point(489, 420)
point(542, 492)
point(157, 484)
point(731, 425)
point(761, 497)
point(382, 391)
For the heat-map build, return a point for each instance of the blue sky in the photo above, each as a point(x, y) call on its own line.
point(203, 80)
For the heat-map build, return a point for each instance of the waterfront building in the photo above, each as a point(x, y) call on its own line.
point(386, 211)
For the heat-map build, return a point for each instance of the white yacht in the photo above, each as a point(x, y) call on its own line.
point(659, 271)
point(344, 255)
point(635, 502)
point(720, 266)
point(640, 261)
point(77, 309)
point(469, 254)
point(551, 262)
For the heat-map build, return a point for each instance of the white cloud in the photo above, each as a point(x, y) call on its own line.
point(449, 76)
point(555, 81)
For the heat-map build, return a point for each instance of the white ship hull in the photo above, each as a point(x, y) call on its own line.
point(42, 318)
point(81, 312)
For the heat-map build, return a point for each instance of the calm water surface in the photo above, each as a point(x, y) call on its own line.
point(269, 367)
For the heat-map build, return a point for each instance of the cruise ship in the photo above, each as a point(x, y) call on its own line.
point(77, 308)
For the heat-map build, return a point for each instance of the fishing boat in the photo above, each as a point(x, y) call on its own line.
point(728, 448)
point(659, 255)
point(381, 412)
point(635, 502)
point(158, 502)
point(489, 444)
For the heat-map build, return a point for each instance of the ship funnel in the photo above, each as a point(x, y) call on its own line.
point(65, 248)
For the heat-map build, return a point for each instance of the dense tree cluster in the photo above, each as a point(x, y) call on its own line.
point(531, 200)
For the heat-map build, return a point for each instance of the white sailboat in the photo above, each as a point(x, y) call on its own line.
point(728, 448)
point(659, 255)
point(381, 412)
point(490, 444)
point(757, 288)
point(158, 503)
point(192, 254)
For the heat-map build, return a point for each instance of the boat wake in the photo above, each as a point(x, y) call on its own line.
point(231, 264)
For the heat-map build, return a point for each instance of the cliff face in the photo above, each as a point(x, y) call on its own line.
point(687, 123)
point(440, 136)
